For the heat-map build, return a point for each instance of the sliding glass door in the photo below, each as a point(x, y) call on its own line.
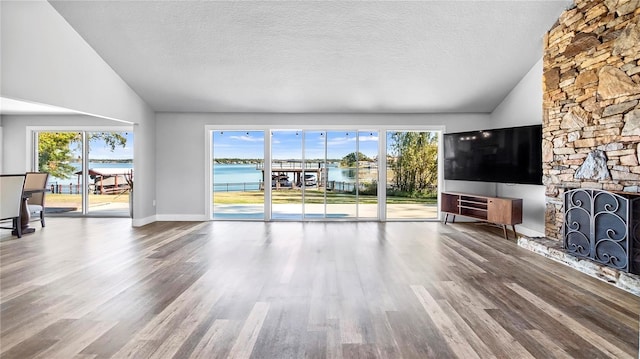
point(60, 153)
point(342, 187)
point(238, 174)
point(353, 174)
point(412, 175)
point(315, 174)
point(324, 174)
point(110, 160)
point(90, 172)
point(286, 174)
point(367, 180)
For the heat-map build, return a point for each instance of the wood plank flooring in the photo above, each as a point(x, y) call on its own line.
point(97, 288)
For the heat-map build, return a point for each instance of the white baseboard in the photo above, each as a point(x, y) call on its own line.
point(181, 217)
point(139, 222)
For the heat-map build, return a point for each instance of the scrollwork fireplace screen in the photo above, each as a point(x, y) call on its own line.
point(603, 226)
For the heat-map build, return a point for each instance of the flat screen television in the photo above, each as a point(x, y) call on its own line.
point(503, 155)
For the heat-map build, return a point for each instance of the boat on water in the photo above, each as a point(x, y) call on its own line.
point(280, 180)
point(310, 180)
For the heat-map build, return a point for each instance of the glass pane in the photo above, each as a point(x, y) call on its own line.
point(110, 172)
point(368, 175)
point(286, 172)
point(238, 174)
point(343, 169)
point(314, 173)
point(60, 154)
point(412, 174)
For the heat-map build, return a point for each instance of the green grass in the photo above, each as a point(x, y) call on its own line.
point(250, 197)
point(311, 196)
point(55, 199)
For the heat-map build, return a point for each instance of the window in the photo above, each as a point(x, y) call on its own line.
point(311, 174)
point(90, 172)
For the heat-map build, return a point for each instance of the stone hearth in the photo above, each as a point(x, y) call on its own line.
point(553, 249)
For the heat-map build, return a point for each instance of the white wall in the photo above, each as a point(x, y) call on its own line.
point(523, 106)
point(17, 144)
point(1, 147)
point(43, 60)
point(144, 162)
point(181, 148)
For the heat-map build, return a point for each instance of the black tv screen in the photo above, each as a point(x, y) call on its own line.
point(504, 155)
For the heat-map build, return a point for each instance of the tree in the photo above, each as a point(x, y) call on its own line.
point(54, 153)
point(352, 159)
point(414, 161)
point(55, 149)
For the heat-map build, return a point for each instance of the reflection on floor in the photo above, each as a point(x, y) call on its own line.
point(315, 211)
point(105, 209)
point(98, 288)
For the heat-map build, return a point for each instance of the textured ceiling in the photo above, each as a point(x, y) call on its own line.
point(205, 56)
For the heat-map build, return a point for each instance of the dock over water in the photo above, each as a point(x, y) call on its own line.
point(283, 171)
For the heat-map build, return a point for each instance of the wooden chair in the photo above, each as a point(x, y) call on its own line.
point(10, 200)
point(36, 201)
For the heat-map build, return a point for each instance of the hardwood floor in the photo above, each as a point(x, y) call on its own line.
point(97, 288)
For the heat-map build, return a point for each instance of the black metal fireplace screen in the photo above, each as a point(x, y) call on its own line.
point(604, 227)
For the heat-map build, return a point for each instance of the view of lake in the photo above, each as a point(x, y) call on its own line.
point(238, 174)
point(77, 165)
point(222, 174)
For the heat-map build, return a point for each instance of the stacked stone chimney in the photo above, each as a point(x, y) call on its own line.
point(591, 100)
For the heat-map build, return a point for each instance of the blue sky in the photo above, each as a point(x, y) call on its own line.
point(99, 150)
point(287, 144)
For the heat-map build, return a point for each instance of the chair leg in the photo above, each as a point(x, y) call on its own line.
point(42, 217)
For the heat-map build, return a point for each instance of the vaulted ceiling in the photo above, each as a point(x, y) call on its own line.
point(299, 56)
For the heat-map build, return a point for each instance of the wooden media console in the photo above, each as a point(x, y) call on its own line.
point(498, 210)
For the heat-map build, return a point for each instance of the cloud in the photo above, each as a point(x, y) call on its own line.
point(247, 138)
point(339, 140)
point(342, 140)
point(104, 152)
point(369, 138)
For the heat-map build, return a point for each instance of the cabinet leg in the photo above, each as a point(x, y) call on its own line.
point(504, 230)
point(446, 218)
point(515, 234)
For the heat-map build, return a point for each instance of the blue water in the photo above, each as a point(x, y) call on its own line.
point(226, 177)
point(74, 178)
point(239, 177)
point(223, 173)
point(71, 185)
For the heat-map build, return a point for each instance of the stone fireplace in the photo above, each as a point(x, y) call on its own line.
point(591, 103)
